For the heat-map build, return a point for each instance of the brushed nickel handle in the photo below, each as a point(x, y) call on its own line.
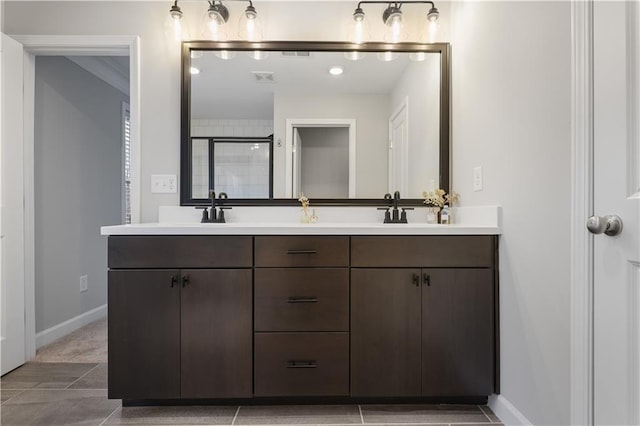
point(610, 225)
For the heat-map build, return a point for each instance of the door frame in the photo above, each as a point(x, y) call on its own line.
point(62, 45)
point(318, 122)
point(582, 207)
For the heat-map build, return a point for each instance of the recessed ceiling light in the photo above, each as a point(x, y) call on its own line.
point(194, 70)
point(336, 70)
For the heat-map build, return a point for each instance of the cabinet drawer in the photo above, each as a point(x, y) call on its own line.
point(301, 364)
point(292, 251)
point(301, 299)
point(193, 251)
point(447, 251)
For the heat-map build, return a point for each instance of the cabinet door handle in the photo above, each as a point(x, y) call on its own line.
point(416, 280)
point(185, 280)
point(427, 279)
point(302, 300)
point(302, 364)
point(302, 251)
point(174, 281)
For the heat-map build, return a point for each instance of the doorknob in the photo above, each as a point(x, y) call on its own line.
point(611, 225)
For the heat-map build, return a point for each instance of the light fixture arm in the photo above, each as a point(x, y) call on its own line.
point(398, 4)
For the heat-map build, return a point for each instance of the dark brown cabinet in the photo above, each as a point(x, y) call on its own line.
point(180, 333)
point(301, 316)
point(207, 317)
point(419, 331)
point(144, 334)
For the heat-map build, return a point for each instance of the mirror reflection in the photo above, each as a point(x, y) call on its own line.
point(275, 124)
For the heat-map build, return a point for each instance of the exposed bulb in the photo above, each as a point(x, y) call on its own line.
point(359, 32)
point(250, 25)
point(176, 29)
point(392, 17)
point(215, 17)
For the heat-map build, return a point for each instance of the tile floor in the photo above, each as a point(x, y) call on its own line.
point(75, 393)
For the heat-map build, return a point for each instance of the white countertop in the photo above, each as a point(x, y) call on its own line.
point(320, 228)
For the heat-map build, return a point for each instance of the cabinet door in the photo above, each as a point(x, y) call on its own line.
point(457, 332)
point(385, 332)
point(144, 334)
point(216, 333)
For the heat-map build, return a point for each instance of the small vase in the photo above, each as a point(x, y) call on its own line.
point(433, 215)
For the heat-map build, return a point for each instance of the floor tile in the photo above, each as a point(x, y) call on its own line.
point(298, 414)
point(87, 344)
point(489, 413)
point(6, 394)
point(423, 414)
point(58, 407)
point(45, 375)
point(187, 415)
point(94, 379)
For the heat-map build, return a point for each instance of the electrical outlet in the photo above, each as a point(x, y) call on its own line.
point(164, 184)
point(477, 178)
point(83, 284)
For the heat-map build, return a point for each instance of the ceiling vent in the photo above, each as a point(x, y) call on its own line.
point(297, 54)
point(264, 77)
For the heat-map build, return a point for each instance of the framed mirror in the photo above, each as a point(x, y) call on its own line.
point(342, 123)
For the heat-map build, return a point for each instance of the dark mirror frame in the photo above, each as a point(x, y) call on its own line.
point(185, 131)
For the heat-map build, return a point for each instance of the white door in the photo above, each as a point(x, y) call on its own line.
point(617, 192)
point(12, 345)
point(398, 150)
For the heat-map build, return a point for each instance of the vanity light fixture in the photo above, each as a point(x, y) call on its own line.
point(393, 21)
point(214, 20)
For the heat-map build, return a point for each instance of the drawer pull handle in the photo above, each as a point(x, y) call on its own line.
point(427, 279)
point(302, 364)
point(302, 251)
point(302, 300)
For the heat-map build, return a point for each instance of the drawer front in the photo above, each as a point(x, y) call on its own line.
point(301, 364)
point(301, 299)
point(180, 251)
point(300, 251)
point(446, 251)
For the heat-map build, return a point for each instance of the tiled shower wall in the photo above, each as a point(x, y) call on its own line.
point(200, 153)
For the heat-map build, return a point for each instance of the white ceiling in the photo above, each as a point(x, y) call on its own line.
point(228, 88)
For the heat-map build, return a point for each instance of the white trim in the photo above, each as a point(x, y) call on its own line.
point(106, 69)
point(51, 45)
point(581, 382)
point(52, 334)
point(29, 206)
point(318, 122)
point(506, 412)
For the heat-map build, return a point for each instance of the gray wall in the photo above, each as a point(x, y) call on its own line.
point(325, 162)
point(371, 113)
point(511, 110)
point(78, 162)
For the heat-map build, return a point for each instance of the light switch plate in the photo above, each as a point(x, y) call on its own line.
point(164, 184)
point(83, 284)
point(477, 178)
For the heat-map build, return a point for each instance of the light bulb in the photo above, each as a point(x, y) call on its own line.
point(250, 26)
point(354, 56)
point(258, 55)
point(214, 19)
point(336, 70)
point(429, 26)
point(392, 17)
point(175, 28)
point(359, 31)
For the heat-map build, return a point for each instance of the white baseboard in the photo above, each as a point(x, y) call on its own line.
point(60, 330)
point(506, 412)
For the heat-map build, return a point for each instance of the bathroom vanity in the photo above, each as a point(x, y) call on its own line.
point(282, 312)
